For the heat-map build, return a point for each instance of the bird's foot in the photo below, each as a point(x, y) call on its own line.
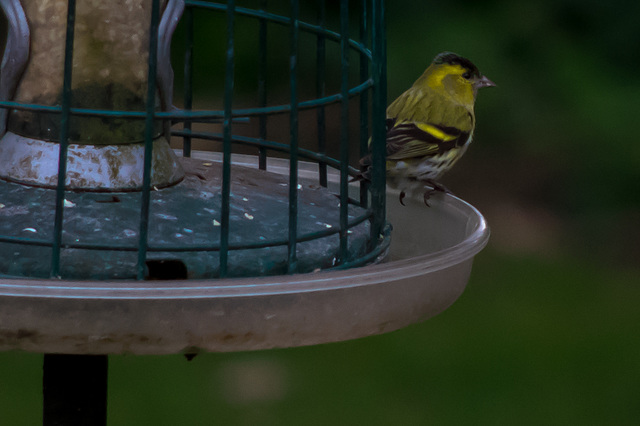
point(427, 194)
point(435, 187)
point(401, 197)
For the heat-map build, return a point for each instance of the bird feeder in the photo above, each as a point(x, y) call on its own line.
point(114, 242)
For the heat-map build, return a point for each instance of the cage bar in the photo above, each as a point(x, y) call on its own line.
point(293, 137)
point(143, 240)
point(378, 129)
point(64, 140)
point(226, 149)
point(321, 64)
point(364, 96)
point(188, 79)
point(262, 84)
point(344, 130)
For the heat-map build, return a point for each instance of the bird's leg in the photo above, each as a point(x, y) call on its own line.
point(437, 186)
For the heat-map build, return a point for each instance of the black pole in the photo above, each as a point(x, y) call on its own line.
point(74, 390)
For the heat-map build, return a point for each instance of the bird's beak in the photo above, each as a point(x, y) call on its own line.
point(483, 82)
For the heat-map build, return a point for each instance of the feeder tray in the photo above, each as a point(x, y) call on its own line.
point(428, 267)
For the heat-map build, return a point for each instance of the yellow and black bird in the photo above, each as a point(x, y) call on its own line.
point(430, 126)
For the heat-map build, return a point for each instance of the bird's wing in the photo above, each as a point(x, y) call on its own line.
point(407, 139)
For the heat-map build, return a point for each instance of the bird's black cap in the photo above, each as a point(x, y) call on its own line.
point(454, 59)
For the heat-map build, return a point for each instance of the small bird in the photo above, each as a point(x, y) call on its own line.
point(430, 126)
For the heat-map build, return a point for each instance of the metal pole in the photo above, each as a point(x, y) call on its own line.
point(74, 390)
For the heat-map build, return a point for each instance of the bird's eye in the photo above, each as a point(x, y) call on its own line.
point(466, 75)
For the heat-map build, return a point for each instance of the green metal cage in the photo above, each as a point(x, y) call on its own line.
point(358, 37)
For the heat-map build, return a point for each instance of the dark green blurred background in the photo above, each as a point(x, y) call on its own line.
point(547, 331)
